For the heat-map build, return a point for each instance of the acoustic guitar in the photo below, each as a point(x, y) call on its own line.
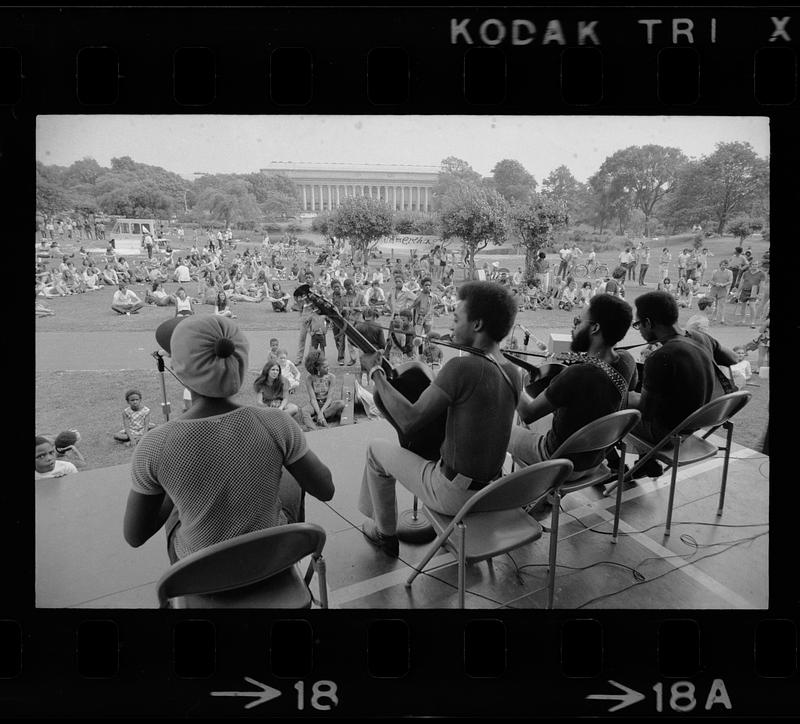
point(541, 375)
point(410, 379)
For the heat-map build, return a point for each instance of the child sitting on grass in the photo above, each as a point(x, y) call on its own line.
point(135, 420)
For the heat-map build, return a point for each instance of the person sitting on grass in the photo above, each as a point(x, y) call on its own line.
point(288, 369)
point(135, 420)
point(125, 301)
point(183, 304)
point(41, 309)
point(221, 309)
point(109, 276)
point(158, 296)
point(66, 443)
point(91, 279)
point(272, 390)
point(322, 407)
point(47, 466)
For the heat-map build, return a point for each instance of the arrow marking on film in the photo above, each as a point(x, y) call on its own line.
point(266, 694)
point(630, 696)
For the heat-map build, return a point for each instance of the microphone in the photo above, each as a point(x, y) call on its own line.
point(528, 335)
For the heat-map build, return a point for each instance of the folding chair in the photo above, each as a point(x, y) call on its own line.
point(493, 521)
point(681, 447)
point(596, 436)
point(255, 570)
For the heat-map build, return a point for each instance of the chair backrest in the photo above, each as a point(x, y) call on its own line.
point(518, 488)
point(241, 561)
point(600, 434)
point(716, 412)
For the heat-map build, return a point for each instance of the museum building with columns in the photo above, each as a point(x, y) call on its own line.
point(324, 186)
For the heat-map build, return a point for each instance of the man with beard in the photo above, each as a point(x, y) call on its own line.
point(583, 392)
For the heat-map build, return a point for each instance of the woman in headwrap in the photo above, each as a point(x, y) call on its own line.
point(217, 471)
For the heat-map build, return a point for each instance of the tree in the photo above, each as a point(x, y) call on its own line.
point(536, 222)
point(231, 203)
point(277, 195)
point(741, 226)
point(734, 177)
point(362, 220)
point(645, 174)
point(561, 185)
point(453, 174)
point(323, 224)
point(512, 181)
point(476, 215)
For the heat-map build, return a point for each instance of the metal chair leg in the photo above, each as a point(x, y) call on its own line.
point(435, 546)
point(620, 476)
point(551, 571)
point(729, 426)
point(322, 580)
point(676, 442)
point(462, 563)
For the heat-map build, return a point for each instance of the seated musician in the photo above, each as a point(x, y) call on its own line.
point(479, 397)
point(582, 392)
point(679, 377)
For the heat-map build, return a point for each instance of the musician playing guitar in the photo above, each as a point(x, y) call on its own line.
point(582, 392)
point(478, 392)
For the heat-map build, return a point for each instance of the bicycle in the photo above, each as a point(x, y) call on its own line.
point(596, 271)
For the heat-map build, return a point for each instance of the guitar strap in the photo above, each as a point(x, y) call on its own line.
point(480, 353)
point(619, 381)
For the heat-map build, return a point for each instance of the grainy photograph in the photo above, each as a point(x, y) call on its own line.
point(402, 362)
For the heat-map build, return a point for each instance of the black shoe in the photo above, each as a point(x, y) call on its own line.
point(652, 469)
point(389, 544)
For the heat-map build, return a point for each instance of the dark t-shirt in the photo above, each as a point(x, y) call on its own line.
point(373, 333)
point(679, 378)
point(480, 414)
point(750, 278)
point(581, 394)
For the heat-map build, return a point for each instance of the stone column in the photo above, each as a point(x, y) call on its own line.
point(304, 199)
point(427, 201)
point(313, 205)
point(338, 200)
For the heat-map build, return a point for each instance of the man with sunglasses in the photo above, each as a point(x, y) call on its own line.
point(581, 393)
point(679, 377)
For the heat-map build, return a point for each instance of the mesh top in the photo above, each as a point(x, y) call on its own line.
point(222, 472)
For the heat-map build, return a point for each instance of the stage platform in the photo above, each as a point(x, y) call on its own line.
point(82, 560)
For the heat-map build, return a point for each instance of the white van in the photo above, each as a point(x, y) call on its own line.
point(128, 234)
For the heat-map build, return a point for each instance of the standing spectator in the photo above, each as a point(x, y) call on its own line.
point(719, 288)
point(319, 331)
point(306, 310)
point(737, 264)
point(370, 330)
point(747, 293)
point(702, 266)
point(663, 265)
point(125, 301)
point(575, 252)
point(135, 420)
point(50, 228)
point(147, 242)
point(47, 466)
point(564, 255)
point(643, 259)
point(424, 307)
point(683, 259)
point(628, 260)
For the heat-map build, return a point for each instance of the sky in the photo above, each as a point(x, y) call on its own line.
point(243, 144)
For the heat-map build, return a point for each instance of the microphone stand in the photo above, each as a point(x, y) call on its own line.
point(165, 406)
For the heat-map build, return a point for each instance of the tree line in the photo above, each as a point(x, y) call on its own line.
point(643, 190)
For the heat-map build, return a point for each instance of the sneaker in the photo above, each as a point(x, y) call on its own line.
point(652, 469)
point(389, 544)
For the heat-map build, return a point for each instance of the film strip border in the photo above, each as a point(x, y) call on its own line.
point(295, 60)
point(465, 665)
point(652, 60)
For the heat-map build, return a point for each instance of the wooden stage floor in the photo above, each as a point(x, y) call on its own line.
point(82, 560)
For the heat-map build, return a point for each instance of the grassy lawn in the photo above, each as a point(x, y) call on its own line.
point(92, 402)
